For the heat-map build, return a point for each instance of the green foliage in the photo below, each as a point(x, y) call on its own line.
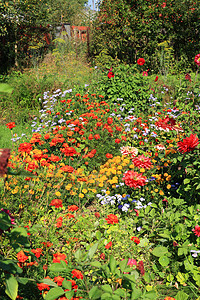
point(128, 30)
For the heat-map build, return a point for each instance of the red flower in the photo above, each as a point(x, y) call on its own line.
point(97, 136)
point(108, 245)
point(59, 222)
point(156, 79)
point(140, 61)
point(142, 162)
point(145, 73)
point(108, 155)
point(112, 219)
point(21, 256)
point(43, 286)
point(188, 144)
point(109, 120)
point(163, 5)
point(97, 214)
point(11, 125)
point(117, 141)
point(90, 137)
point(58, 280)
point(197, 59)
point(169, 298)
point(135, 239)
point(25, 147)
point(110, 74)
point(188, 77)
point(37, 252)
point(73, 208)
point(58, 257)
point(77, 274)
point(56, 202)
point(140, 267)
point(134, 179)
point(102, 256)
point(67, 169)
point(197, 230)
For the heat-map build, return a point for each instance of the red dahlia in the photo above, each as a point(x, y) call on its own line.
point(134, 179)
point(142, 162)
point(188, 144)
point(196, 230)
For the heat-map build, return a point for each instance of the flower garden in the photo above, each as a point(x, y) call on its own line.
point(102, 201)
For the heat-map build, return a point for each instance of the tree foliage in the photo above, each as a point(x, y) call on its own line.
point(129, 29)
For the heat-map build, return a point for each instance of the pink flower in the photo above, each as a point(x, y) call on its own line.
point(142, 162)
point(132, 262)
point(145, 73)
point(197, 230)
point(197, 59)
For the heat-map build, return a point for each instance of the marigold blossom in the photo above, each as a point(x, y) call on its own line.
point(59, 280)
point(57, 257)
point(10, 125)
point(188, 144)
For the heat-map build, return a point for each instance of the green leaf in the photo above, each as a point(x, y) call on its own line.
point(136, 294)
point(54, 293)
point(150, 295)
point(112, 264)
point(95, 293)
point(96, 264)
point(181, 296)
point(107, 288)
point(5, 88)
point(120, 292)
point(182, 277)
point(123, 264)
point(10, 266)
point(92, 250)
point(59, 267)
point(49, 282)
point(67, 284)
point(164, 261)
point(11, 287)
point(5, 221)
point(69, 294)
point(106, 296)
point(186, 180)
point(160, 251)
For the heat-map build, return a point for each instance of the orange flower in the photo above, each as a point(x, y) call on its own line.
point(37, 252)
point(58, 280)
point(73, 208)
point(43, 286)
point(135, 239)
point(58, 257)
point(112, 219)
point(21, 256)
point(56, 202)
point(11, 125)
point(77, 274)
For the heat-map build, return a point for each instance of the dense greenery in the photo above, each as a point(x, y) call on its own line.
point(154, 29)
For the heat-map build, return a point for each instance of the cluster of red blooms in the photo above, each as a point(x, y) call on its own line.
point(10, 125)
point(56, 202)
point(135, 239)
point(112, 219)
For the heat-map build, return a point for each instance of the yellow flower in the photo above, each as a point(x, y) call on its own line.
point(142, 170)
point(84, 191)
point(165, 174)
point(81, 195)
point(58, 194)
point(156, 190)
point(31, 192)
point(161, 193)
point(108, 192)
point(68, 187)
point(169, 186)
point(131, 166)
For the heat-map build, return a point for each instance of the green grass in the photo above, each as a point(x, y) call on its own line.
point(7, 134)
